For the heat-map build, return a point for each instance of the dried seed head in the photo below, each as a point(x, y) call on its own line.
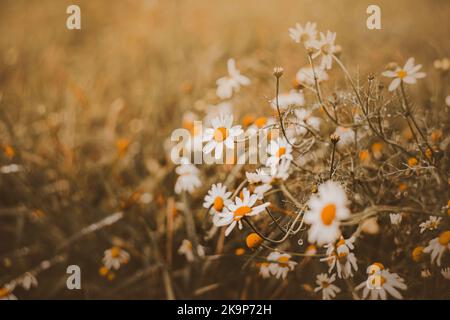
point(335, 138)
point(371, 77)
point(278, 72)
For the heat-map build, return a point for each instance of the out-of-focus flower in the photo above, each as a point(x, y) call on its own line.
point(253, 240)
point(326, 48)
point(222, 134)
point(377, 150)
point(346, 137)
point(217, 198)
point(396, 218)
point(408, 74)
point(339, 256)
point(326, 209)
point(186, 250)
point(281, 264)
point(259, 124)
point(380, 283)
point(305, 35)
point(325, 283)
point(263, 178)
point(264, 270)
point(425, 273)
point(11, 168)
point(306, 76)
point(231, 83)
point(306, 119)
point(6, 293)
point(114, 257)
point(213, 111)
point(417, 253)
point(188, 179)
point(438, 246)
point(446, 273)
point(292, 98)
point(239, 209)
point(442, 65)
point(447, 100)
point(431, 224)
point(27, 281)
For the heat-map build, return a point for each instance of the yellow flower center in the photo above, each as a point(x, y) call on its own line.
point(325, 284)
point(417, 253)
point(218, 204)
point(241, 212)
point(220, 134)
point(401, 74)
point(281, 152)
point(261, 122)
point(283, 261)
point(379, 265)
point(115, 252)
point(328, 214)
point(444, 238)
point(4, 292)
point(412, 162)
point(103, 271)
point(253, 240)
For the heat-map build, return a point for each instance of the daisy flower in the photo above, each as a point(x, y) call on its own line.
point(221, 135)
point(306, 76)
point(263, 178)
point(115, 257)
point(305, 35)
point(231, 83)
point(326, 48)
point(264, 270)
point(292, 98)
point(27, 281)
point(408, 74)
point(278, 150)
point(186, 250)
point(396, 218)
point(217, 198)
point(305, 119)
point(217, 110)
point(325, 283)
point(339, 256)
point(326, 209)
point(188, 179)
point(438, 246)
point(446, 273)
point(380, 283)
point(259, 124)
point(239, 209)
point(425, 273)
point(431, 224)
point(6, 293)
point(281, 264)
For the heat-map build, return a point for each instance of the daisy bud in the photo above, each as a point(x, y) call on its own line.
point(239, 251)
point(253, 240)
point(278, 72)
point(335, 138)
point(337, 50)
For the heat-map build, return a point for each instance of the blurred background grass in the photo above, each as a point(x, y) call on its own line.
point(72, 102)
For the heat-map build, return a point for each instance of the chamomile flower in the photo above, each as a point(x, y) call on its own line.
point(188, 179)
point(114, 257)
point(408, 74)
point(262, 179)
point(339, 256)
point(396, 218)
point(325, 283)
point(6, 293)
point(438, 246)
point(306, 76)
point(305, 35)
point(280, 264)
point(239, 209)
point(292, 98)
point(326, 209)
point(216, 110)
point(446, 273)
point(231, 83)
point(264, 270)
point(217, 198)
point(305, 119)
point(221, 135)
point(431, 224)
point(325, 48)
point(27, 281)
point(259, 124)
point(186, 250)
point(380, 283)
point(278, 150)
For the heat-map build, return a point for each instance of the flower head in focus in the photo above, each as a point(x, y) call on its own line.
point(221, 135)
point(408, 74)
